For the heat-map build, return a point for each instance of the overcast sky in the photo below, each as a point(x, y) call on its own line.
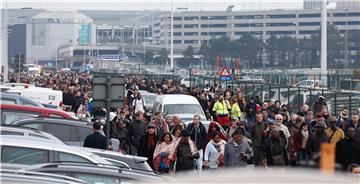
point(192, 5)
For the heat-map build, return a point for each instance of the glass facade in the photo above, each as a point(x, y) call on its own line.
point(39, 35)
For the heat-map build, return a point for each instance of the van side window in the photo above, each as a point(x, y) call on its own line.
point(8, 101)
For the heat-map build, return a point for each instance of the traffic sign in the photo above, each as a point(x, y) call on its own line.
point(225, 74)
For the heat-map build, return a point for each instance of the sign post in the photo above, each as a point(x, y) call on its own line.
point(109, 90)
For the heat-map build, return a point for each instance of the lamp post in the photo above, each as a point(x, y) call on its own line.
point(172, 36)
point(323, 56)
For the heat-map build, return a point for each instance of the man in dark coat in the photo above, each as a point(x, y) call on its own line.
point(275, 149)
point(136, 130)
point(315, 141)
point(148, 144)
point(198, 135)
point(348, 149)
point(95, 139)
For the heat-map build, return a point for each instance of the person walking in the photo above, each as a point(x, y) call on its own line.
point(198, 135)
point(214, 152)
point(161, 159)
point(221, 109)
point(334, 133)
point(235, 109)
point(258, 133)
point(136, 131)
point(315, 140)
point(148, 144)
point(348, 149)
point(183, 153)
point(237, 151)
point(95, 139)
point(275, 149)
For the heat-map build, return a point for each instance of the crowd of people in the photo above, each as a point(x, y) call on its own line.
point(244, 131)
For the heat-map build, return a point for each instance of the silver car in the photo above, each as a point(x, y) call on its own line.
point(33, 150)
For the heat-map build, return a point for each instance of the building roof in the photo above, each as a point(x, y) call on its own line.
point(68, 17)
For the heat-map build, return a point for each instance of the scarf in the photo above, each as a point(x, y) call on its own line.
point(175, 145)
point(151, 142)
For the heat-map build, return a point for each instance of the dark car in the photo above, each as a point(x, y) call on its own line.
point(72, 132)
point(93, 174)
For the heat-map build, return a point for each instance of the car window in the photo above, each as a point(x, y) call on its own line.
point(66, 157)
point(3, 132)
point(55, 116)
point(19, 155)
point(12, 116)
point(35, 125)
point(95, 179)
point(29, 103)
point(37, 135)
point(62, 131)
point(84, 132)
point(8, 101)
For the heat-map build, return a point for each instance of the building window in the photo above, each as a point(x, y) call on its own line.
point(339, 23)
point(213, 18)
point(249, 17)
point(279, 24)
point(312, 15)
point(249, 25)
point(279, 32)
point(213, 33)
point(177, 18)
point(307, 32)
point(339, 15)
point(309, 23)
point(354, 14)
point(281, 16)
point(213, 25)
point(177, 34)
point(191, 18)
point(177, 42)
point(191, 26)
point(191, 34)
point(190, 41)
point(177, 26)
point(353, 23)
point(38, 34)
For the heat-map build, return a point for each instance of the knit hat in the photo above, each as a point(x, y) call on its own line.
point(150, 125)
point(185, 133)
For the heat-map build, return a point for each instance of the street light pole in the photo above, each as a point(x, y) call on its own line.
point(172, 39)
point(324, 41)
point(19, 78)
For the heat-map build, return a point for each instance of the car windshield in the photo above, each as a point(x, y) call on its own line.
point(149, 99)
point(183, 109)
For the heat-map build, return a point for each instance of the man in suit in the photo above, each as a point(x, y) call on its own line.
point(95, 139)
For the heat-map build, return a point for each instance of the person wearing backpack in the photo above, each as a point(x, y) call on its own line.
point(139, 104)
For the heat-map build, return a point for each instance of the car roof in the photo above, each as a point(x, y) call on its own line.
point(21, 129)
point(40, 143)
point(53, 120)
point(177, 99)
point(36, 177)
point(34, 109)
point(93, 169)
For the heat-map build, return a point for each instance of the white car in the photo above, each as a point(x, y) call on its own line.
point(311, 84)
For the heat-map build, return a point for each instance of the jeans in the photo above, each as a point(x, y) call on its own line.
point(199, 161)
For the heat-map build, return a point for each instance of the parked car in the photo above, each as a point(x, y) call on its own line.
point(11, 113)
point(71, 132)
point(17, 176)
point(123, 161)
point(93, 174)
point(9, 98)
point(311, 84)
point(27, 132)
point(33, 150)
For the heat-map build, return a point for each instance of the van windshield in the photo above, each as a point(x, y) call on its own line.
point(183, 109)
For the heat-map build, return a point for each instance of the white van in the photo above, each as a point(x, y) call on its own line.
point(41, 95)
point(184, 106)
